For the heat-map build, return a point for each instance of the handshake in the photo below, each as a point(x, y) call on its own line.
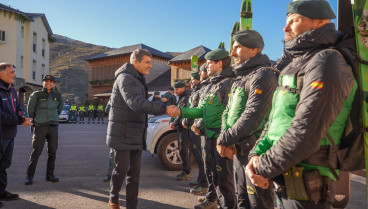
point(173, 111)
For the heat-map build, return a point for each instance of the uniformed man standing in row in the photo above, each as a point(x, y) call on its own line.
point(310, 108)
point(211, 109)
point(201, 186)
point(82, 112)
point(91, 112)
point(245, 114)
point(156, 97)
point(183, 134)
point(100, 113)
point(44, 106)
point(73, 114)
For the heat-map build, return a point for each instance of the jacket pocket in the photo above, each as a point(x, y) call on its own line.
point(134, 132)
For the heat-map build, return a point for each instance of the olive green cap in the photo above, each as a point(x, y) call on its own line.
point(179, 84)
point(157, 93)
point(218, 54)
point(203, 68)
point(195, 75)
point(249, 38)
point(313, 9)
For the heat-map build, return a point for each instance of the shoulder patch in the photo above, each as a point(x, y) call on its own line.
point(258, 91)
point(317, 84)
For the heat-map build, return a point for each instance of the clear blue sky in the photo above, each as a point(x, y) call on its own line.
point(166, 25)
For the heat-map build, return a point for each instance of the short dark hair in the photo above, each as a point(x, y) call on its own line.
point(138, 55)
point(225, 62)
point(4, 65)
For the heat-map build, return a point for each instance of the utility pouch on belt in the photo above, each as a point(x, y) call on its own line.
point(294, 183)
point(303, 185)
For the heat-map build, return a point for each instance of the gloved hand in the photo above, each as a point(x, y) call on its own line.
point(228, 152)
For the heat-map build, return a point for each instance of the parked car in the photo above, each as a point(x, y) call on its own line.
point(161, 140)
point(64, 115)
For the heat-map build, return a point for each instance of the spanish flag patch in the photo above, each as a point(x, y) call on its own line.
point(317, 84)
point(258, 91)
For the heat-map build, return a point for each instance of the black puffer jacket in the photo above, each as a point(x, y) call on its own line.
point(129, 108)
point(259, 84)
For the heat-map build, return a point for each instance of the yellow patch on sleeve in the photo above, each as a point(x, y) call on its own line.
point(317, 84)
point(258, 91)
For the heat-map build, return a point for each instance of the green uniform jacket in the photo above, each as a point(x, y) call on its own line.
point(212, 107)
point(45, 108)
point(313, 98)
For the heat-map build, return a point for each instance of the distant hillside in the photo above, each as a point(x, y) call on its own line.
point(67, 62)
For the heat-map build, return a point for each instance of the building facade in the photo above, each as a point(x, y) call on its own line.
point(181, 65)
point(25, 42)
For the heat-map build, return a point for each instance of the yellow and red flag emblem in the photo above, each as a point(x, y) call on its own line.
point(317, 84)
point(258, 91)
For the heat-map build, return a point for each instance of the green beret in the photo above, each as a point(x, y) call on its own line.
point(171, 88)
point(157, 93)
point(195, 75)
point(313, 9)
point(179, 84)
point(203, 68)
point(167, 96)
point(249, 38)
point(218, 54)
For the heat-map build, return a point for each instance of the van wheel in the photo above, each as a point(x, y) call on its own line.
point(168, 152)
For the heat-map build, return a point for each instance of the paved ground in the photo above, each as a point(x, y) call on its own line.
point(81, 166)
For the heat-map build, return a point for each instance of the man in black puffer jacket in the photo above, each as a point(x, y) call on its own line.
point(126, 131)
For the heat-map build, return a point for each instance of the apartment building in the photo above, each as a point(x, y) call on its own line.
point(25, 42)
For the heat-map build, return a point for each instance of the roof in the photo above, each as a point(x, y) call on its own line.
point(200, 51)
point(31, 17)
point(129, 49)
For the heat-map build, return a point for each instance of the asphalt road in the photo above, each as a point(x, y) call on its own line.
point(81, 164)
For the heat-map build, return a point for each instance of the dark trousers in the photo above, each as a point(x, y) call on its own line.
point(100, 116)
point(111, 162)
point(91, 114)
point(128, 164)
point(6, 153)
point(250, 196)
point(222, 176)
point(225, 174)
point(81, 117)
point(184, 148)
point(50, 135)
point(195, 142)
point(283, 202)
point(210, 167)
point(73, 116)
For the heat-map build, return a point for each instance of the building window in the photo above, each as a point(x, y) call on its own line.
point(43, 71)
point(34, 42)
point(22, 31)
point(21, 61)
point(34, 70)
point(43, 47)
point(2, 35)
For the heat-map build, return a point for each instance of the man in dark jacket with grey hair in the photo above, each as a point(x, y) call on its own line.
point(126, 131)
